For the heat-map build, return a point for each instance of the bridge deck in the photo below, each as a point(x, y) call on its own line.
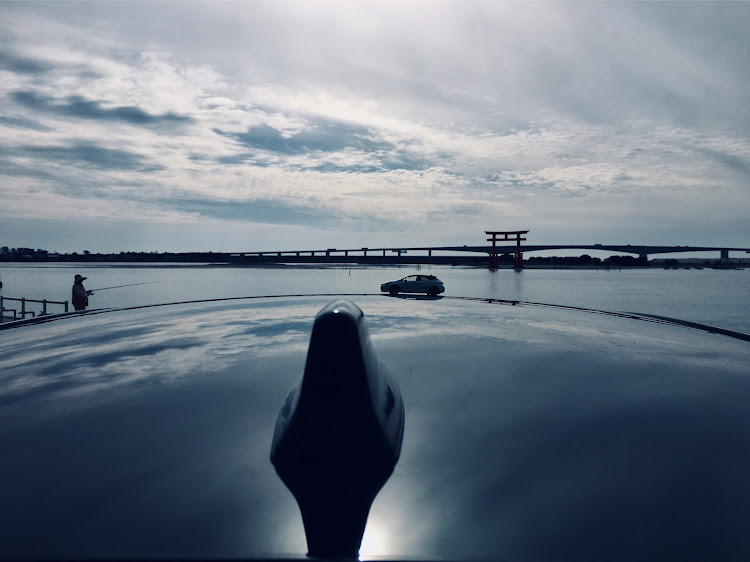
point(505, 249)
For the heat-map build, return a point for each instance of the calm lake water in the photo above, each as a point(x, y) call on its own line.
point(719, 298)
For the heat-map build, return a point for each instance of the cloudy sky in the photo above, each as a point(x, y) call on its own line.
point(292, 125)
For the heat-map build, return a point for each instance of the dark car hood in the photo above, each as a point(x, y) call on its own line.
point(531, 433)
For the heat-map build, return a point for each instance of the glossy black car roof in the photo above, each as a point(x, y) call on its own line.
point(531, 432)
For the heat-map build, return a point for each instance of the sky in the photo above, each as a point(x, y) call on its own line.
point(281, 125)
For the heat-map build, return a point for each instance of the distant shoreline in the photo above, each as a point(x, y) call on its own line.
point(135, 264)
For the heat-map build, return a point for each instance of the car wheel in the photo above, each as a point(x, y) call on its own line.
point(394, 289)
point(433, 291)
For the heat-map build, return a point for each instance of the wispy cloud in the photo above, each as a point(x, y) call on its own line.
point(76, 107)
point(89, 155)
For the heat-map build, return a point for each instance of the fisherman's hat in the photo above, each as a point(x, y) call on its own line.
point(80, 277)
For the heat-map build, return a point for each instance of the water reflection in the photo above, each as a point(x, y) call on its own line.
point(720, 298)
point(416, 297)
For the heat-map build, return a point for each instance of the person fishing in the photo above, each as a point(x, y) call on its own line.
point(80, 294)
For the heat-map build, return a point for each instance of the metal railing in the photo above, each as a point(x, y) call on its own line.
point(23, 313)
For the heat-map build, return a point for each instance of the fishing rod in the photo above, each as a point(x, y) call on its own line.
point(91, 291)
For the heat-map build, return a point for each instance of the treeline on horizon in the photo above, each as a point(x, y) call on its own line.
point(587, 260)
point(30, 254)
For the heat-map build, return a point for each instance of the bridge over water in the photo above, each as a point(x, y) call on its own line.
point(447, 254)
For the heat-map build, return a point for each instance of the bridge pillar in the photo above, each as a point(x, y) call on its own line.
point(724, 255)
point(429, 253)
point(643, 257)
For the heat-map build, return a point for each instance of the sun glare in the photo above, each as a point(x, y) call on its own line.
point(374, 542)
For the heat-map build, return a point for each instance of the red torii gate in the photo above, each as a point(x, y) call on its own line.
point(518, 262)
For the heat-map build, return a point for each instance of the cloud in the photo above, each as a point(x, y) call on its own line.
point(327, 147)
point(23, 65)
point(258, 211)
point(77, 107)
point(734, 162)
point(23, 123)
point(86, 154)
point(317, 137)
point(423, 119)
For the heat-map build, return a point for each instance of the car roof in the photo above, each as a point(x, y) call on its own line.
point(531, 432)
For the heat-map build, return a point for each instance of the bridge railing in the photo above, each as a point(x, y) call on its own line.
point(23, 312)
